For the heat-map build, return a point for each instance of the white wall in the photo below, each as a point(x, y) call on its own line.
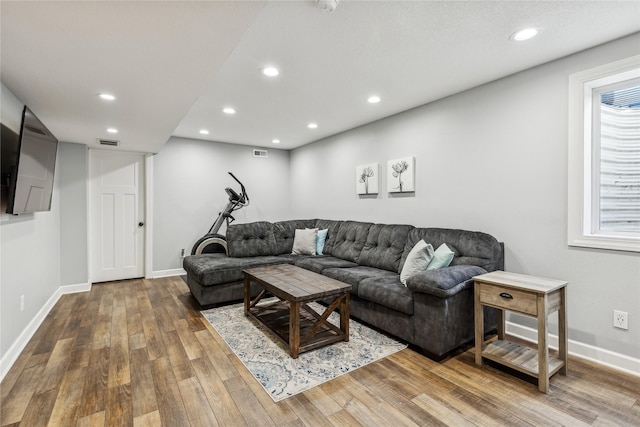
point(491, 159)
point(188, 192)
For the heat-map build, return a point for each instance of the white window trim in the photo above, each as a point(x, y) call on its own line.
point(580, 157)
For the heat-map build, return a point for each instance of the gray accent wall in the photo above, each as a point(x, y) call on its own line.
point(490, 159)
point(71, 170)
point(42, 251)
point(189, 178)
point(29, 253)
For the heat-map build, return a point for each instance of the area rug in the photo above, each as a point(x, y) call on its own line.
point(269, 362)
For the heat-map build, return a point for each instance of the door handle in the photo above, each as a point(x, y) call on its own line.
point(140, 224)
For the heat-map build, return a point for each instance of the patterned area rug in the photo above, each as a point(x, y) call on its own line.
point(281, 376)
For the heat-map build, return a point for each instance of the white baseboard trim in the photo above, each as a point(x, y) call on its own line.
point(74, 289)
point(602, 356)
point(21, 342)
point(168, 273)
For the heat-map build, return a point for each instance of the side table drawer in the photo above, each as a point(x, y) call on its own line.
point(508, 299)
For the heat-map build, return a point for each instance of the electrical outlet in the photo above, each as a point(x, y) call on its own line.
point(182, 253)
point(621, 319)
point(21, 302)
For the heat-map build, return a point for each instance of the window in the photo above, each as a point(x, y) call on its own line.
point(604, 157)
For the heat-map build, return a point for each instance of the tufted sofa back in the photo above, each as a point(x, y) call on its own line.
point(348, 241)
point(252, 239)
point(333, 227)
point(384, 246)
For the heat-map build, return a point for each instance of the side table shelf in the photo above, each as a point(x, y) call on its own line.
point(518, 357)
point(531, 296)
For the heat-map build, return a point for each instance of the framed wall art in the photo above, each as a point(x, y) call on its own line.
point(401, 175)
point(367, 177)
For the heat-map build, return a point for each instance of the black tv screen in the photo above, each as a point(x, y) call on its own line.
point(28, 165)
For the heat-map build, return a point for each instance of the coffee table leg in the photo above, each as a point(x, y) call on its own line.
point(294, 329)
point(247, 294)
point(344, 316)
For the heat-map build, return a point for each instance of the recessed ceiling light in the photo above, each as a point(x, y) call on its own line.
point(204, 132)
point(373, 99)
point(228, 110)
point(312, 125)
point(112, 130)
point(270, 71)
point(276, 141)
point(525, 34)
point(106, 96)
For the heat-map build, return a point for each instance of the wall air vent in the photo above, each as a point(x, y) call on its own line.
point(110, 142)
point(260, 153)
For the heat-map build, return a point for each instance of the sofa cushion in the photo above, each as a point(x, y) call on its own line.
point(284, 232)
point(213, 269)
point(319, 263)
point(354, 275)
point(384, 246)
point(444, 282)
point(469, 247)
point(388, 292)
point(349, 240)
point(252, 239)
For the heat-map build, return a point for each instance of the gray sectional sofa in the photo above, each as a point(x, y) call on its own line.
point(434, 311)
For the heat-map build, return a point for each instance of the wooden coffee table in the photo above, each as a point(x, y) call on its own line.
point(291, 318)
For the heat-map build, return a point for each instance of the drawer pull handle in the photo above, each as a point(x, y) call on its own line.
point(506, 295)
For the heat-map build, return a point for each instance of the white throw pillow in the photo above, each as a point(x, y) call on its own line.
point(417, 260)
point(304, 241)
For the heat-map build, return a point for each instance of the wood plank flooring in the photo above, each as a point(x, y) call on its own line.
point(138, 353)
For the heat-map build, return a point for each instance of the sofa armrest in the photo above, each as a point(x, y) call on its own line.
point(444, 282)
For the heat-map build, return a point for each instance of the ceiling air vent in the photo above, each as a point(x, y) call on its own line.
point(260, 153)
point(110, 142)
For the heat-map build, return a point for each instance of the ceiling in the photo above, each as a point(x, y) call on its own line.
point(174, 65)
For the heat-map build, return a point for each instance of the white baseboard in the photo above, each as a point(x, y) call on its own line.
point(74, 289)
point(168, 273)
point(581, 350)
point(21, 342)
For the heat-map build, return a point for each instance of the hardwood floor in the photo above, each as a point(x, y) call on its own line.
point(138, 353)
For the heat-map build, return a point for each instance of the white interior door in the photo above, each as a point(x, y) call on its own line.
point(117, 215)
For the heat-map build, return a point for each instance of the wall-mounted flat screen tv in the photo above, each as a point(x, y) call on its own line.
point(28, 165)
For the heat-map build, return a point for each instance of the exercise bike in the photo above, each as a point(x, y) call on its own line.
point(212, 242)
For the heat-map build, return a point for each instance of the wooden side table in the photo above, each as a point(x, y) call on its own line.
point(532, 296)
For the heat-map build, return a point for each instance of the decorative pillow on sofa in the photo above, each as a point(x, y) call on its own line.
point(321, 238)
point(442, 257)
point(304, 242)
point(417, 260)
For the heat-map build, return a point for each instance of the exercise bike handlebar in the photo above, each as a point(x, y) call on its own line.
point(236, 201)
point(243, 196)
